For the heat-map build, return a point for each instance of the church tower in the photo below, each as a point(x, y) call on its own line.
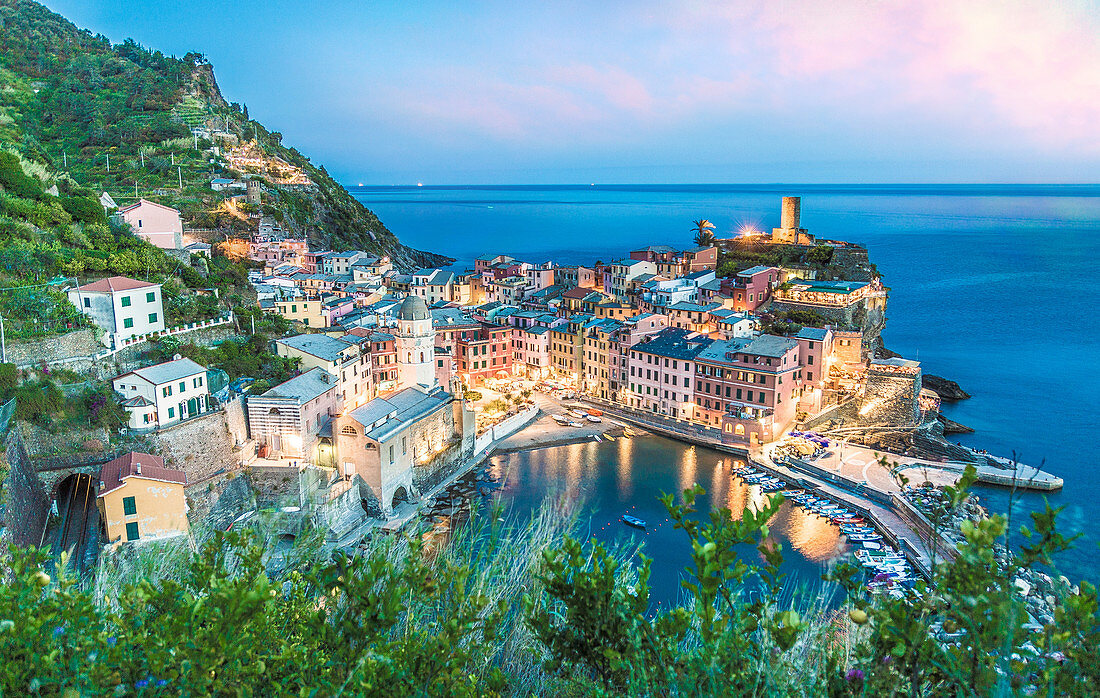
point(415, 340)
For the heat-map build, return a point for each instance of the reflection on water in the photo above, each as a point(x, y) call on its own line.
point(628, 475)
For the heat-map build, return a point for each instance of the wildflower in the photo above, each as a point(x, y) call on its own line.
point(111, 641)
point(59, 631)
point(141, 683)
point(161, 683)
point(888, 660)
point(854, 675)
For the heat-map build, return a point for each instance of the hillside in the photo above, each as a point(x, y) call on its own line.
point(134, 122)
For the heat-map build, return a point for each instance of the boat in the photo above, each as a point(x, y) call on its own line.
point(594, 419)
point(633, 521)
point(863, 537)
point(560, 419)
point(594, 413)
point(580, 414)
point(575, 424)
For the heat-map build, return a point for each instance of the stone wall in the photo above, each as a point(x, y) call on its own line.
point(33, 352)
point(276, 484)
point(218, 501)
point(126, 359)
point(236, 419)
point(202, 447)
point(80, 443)
point(24, 503)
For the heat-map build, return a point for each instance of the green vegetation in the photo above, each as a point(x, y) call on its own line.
point(46, 401)
point(249, 358)
point(118, 118)
point(788, 322)
point(510, 609)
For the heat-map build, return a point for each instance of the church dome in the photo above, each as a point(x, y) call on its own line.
point(413, 308)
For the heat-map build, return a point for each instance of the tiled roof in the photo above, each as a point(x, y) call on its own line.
point(311, 384)
point(320, 345)
point(815, 333)
point(674, 343)
point(134, 464)
point(168, 371)
point(115, 284)
point(397, 411)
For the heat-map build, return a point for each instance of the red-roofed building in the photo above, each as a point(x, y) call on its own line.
point(140, 498)
point(121, 306)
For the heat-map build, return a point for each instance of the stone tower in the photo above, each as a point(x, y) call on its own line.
point(415, 340)
point(789, 231)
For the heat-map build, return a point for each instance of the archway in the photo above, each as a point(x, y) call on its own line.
point(399, 495)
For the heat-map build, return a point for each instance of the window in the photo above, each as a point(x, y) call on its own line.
point(809, 375)
point(171, 413)
point(810, 360)
point(166, 391)
point(151, 297)
point(125, 301)
point(129, 506)
point(183, 386)
point(128, 322)
point(132, 531)
point(404, 445)
point(391, 453)
point(87, 303)
point(198, 381)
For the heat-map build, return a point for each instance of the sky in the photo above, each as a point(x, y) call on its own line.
point(651, 92)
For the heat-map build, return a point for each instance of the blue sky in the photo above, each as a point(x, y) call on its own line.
point(653, 92)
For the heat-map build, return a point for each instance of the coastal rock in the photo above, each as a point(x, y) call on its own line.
point(953, 427)
point(947, 389)
point(881, 352)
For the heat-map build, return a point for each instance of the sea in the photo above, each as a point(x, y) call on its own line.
point(993, 286)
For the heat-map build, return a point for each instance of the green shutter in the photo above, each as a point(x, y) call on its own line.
point(152, 317)
point(132, 531)
point(128, 322)
point(125, 301)
point(151, 296)
point(129, 506)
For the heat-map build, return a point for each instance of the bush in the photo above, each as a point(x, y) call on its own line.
point(84, 210)
point(15, 180)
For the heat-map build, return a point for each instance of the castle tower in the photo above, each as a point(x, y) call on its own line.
point(415, 340)
point(789, 233)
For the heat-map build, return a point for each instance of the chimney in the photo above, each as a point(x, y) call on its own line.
point(137, 466)
point(792, 206)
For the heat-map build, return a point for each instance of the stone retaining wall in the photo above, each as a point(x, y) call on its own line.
point(34, 352)
point(24, 503)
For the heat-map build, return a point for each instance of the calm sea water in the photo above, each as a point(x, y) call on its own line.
point(605, 480)
point(992, 286)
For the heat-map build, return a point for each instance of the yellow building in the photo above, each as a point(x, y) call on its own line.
point(308, 312)
point(141, 499)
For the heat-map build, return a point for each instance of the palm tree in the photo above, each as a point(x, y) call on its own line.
point(703, 232)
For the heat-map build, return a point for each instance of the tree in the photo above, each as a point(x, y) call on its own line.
point(704, 235)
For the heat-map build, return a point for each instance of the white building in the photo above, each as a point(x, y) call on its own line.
point(415, 341)
point(164, 394)
point(121, 306)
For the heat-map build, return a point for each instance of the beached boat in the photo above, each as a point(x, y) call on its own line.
point(633, 521)
point(594, 419)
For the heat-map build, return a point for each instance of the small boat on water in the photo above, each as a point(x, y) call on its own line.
point(633, 521)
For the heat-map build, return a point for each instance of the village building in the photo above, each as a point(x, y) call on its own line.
point(141, 499)
point(292, 421)
point(160, 225)
point(122, 307)
point(748, 388)
point(164, 394)
point(662, 370)
point(393, 443)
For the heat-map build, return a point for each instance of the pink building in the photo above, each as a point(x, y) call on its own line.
point(634, 329)
point(750, 288)
point(160, 225)
point(749, 388)
point(662, 370)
